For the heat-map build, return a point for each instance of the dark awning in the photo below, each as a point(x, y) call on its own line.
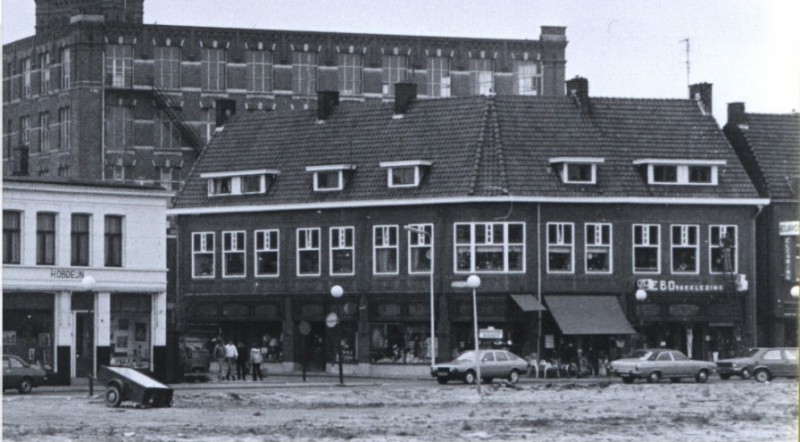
point(589, 315)
point(528, 303)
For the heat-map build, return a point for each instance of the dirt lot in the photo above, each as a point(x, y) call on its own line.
point(565, 411)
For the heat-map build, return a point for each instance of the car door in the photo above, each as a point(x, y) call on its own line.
point(503, 367)
point(683, 366)
point(665, 364)
point(488, 365)
point(773, 359)
point(789, 363)
point(12, 371)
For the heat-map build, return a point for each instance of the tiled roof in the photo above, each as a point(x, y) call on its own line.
point(774, 141)
point(478, 146)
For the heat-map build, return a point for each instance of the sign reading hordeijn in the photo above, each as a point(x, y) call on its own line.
point(66, 274)
point(669, 285)
point(789, 228)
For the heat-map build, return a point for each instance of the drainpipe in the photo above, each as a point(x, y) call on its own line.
point(103, 119)
point(539, 275)
point(751, 296)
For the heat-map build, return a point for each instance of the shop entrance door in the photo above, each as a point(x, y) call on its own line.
point(84, 344)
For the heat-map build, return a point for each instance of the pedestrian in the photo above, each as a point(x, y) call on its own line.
point(219, 356)
point(230, 360)
point(241, 362)
point(256, 358)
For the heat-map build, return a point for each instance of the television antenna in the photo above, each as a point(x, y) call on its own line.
point(688, 68)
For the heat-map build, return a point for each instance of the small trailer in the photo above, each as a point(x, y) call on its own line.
point(127, 384)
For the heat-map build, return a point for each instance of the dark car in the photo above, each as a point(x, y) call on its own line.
point(762, 363)
point(494, 364)
point(655, 364)
point(21, 375)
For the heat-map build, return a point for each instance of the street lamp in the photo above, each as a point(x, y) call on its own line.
point(473, 282)
point(419, 231)
point(88, 282)
point(795, 292)
point(337, 291)
point(641, 295)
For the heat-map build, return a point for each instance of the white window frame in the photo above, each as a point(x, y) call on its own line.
point(44, 67)
point(308, 246)
point(646, 243)
point(598, 233)
point(167, 67)
point(523, 73)
point(268, 247)
point(213, 69)
point(386, 245)
point(422, 242)
point(66, 68)
point(236, 181)
point(715, 243)
point(25, 130)
point(337, 240)
point(305, 68)
point(351, 71)
point(338, 169)
point(391, 166)
point(481, 70)
point(236, 249)
point(395, 70)
point(27, 72)
point(473, 246)
point(119, 65)
point(563, 164)
point(682, 175)
point(204, 241)
point(684, 244)
point(259, 71)
point(439, 76)
point(65, 128)
point(561, 243)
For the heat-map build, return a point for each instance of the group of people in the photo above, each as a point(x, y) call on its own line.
point(235, 361)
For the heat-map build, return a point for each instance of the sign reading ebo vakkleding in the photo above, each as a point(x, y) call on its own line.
point(669, 285)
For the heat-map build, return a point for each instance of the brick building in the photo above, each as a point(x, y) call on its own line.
point(97, 94)
point(768, 146)
point(565, 206)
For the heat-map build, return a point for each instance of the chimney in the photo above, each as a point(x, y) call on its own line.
point(701, 93)
point(404, 94)
point(578, 89)
point(553, 33)
point(736, 114)
point(326, 104)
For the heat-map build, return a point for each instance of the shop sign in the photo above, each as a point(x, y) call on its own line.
point(669, 285)
point(490, 333)
point(684, 310)
point(66, 274)
point(789, 228)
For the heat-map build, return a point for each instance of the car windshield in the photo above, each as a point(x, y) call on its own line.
point(642, 354)
point(466, 356)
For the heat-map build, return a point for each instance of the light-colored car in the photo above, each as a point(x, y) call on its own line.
point(21, 375)
point(656, 364)
point(494, 364)
point(761, 363)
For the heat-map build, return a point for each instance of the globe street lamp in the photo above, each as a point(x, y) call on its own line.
point(473, 282)
point(795, 291)
point(337, 291)
point(419, 231)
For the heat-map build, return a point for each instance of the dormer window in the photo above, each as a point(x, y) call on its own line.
point(330, 178)
point(240, 182)
point(401, 174)
point(577, 170)
point(681, 172)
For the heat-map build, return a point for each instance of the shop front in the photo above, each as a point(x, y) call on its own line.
point(28, 328)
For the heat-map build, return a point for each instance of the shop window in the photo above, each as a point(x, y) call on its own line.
point(395, 70)
point(646, 248)
point(489, 247)
point(28, 328)
point(203, 255)
point(438, 76)
point(722, 244)
point(113, 241)
point(481, 76)
point(80, 239)
point(233, 254)
point(267, 253)
point(384, 250)
point(304, 73)
point(12, 233)
point(213, 65)
point(598, 248)
point(342, 251)
point(308, 251)
point(45, 238)
point(350, 72)
point(259, 71)
point(119, 66)
point(685, 249)
point(420, 248)
point(396, 343)
point(527, 77)
point(167, 66)
point(131, 330)
point(560, 248)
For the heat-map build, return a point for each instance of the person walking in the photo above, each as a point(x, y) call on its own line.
point(241, 362)
point(230, 360)
point(256, 358)
point(219, 356)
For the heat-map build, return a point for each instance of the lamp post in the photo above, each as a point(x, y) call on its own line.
point(337, 291)
point(419, 231)
point(795, 292)
point(473, 282)
point(88, 282)
point(641, 296)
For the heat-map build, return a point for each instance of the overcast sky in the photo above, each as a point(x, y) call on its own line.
point(748, 49)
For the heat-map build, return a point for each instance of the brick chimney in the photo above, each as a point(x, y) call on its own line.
point(736, 114)
point(404, 95)
point(326, 104)
point(701, 93)
point(578, 89)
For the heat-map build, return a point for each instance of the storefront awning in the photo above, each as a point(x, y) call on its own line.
point(589, 315)
point(528, 303)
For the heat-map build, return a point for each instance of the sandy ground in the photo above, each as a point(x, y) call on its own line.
point(423, 411)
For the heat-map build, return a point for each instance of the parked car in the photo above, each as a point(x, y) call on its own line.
point(655, 364)
point(494, 364)
point(762, 363)
point(21, 375)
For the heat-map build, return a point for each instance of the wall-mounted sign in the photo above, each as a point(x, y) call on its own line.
point(789, 228)
point(669, 285)
point(490, 333)
point(66, 274)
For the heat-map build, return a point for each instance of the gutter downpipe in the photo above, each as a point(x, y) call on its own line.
point(751, 301)
point(103, 119)
point(539, 276)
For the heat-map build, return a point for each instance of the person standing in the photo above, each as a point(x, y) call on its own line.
point(256, 358)
point(219, 356)
point(230, 360)
point(241, 362)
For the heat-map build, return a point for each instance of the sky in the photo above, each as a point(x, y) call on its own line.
point(748, 49)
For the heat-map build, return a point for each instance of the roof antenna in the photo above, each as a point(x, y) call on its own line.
point(688, 81)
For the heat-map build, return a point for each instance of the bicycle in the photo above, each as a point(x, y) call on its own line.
point(581, 369)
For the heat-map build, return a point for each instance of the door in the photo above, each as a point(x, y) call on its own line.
point(665, 364)
point(84, 344)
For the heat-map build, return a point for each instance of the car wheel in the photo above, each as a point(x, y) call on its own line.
point(701, 377)
point(674, 380)
point(745, 374)
point(469, 377)
point(654, 377)
point(762, 375)
point(513, 377)
point(442, 380)
point(25, 386)
point(724, 377)
point(627, 380)
point(113, 396)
